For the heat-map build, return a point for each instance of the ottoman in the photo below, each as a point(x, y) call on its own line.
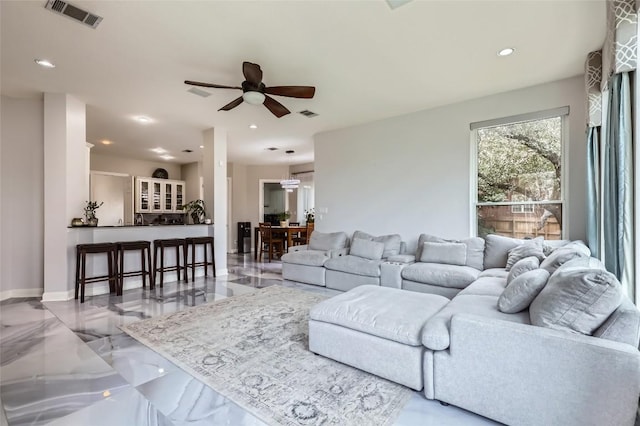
point(376, 329)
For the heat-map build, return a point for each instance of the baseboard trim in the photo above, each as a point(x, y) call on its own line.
point(21, 292)
point(58, 296)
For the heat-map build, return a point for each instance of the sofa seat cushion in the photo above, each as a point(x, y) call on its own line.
point(388, 313)
point(453, 276)
point(486, 286)
point(435, 335)
point(354, 265)
point(306, 257)
point(494, 272)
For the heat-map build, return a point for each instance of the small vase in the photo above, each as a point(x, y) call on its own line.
point(93, 221)
point(284, 223)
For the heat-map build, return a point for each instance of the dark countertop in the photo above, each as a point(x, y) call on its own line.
point(139, 226)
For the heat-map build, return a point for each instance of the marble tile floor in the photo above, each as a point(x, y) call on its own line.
point(68, 364)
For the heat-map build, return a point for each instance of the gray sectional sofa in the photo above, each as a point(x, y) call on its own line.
point(526, 332)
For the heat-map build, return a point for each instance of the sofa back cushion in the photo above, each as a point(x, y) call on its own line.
point(366, 249)
point(577, 299)
point(447, 253)
point(474, 246)
point(522, 291)
point(327, 241)
point(392, 242)
point(496, 250)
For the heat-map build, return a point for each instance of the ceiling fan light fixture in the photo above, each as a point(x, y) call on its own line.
point(253, 98)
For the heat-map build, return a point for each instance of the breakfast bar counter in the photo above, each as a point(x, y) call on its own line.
point(106, 234)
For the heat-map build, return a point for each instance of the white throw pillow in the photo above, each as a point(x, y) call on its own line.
point(522, 266)
point(526, 249)
point(522, 290)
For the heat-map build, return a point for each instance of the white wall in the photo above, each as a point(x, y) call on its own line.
point(191, 175)
point(143, 168)
point(22, 194)
point(412, 174)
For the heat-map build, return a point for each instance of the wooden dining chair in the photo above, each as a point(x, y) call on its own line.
point(269, 242)
point(298, 236)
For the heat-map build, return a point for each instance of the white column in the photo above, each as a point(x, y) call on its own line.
point(66, 186)
point(214, 173)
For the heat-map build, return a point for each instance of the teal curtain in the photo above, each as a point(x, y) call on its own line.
point(617, 190)
point(593, 190)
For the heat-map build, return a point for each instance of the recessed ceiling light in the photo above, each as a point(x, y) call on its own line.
point(159, 150)
point(143, 119)
point(253, 126)
point(506, 51)
point(45, 63)
point(167, 157)
point(106, 142)
point(201, 146)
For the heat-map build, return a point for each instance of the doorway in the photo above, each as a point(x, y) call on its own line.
point(273, 200)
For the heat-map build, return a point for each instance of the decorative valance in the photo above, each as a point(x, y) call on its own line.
point(619, 53)
point(592, 79)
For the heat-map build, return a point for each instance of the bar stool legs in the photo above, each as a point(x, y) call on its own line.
point(142, 246)
point(81, 267)
point(206, 242)
point(168, 243)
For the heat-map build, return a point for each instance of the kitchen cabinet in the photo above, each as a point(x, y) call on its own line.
point(159, 195)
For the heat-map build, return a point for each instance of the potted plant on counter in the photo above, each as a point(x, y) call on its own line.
point(196, 210)
point(90, 212)
point(284, 218)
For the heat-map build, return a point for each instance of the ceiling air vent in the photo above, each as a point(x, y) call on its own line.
point(73, 12)
point(199, 92)
point(308, 114)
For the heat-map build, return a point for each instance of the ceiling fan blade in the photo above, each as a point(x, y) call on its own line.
point(275, 107)
point(305, 92)
point(215, 86)
point(234, 103)
point(252, 73)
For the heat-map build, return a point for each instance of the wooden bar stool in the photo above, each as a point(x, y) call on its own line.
point(176, 243)
point(206, 242)
point(145, 263)
point(81, 266)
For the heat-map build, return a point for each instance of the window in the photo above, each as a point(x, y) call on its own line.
point(518, 184)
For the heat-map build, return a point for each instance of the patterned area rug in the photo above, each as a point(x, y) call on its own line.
point(253, 349)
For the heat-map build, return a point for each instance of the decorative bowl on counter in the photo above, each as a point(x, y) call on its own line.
point(77, 221)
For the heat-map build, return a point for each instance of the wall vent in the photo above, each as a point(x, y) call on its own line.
point(308, 113)
point(73, 12)
point(199, 92)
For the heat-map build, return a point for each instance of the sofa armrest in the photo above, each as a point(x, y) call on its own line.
point(294, 249)
point(523, 374)
point(391, 274)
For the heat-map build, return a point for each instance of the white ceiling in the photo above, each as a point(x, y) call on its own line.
point(366, 60)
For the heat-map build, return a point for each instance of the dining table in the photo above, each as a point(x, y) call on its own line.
point(287, 232)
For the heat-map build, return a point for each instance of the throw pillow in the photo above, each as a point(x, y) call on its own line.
point(522, 290)
point(522, 266)
point(445, 253)
point(366, 249)
point(528, 248)
point(327, 241)
point(392, 242)
point(559, 257)
point(475, 248)
point(577, 299)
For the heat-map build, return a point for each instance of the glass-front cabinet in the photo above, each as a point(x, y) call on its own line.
point(159, 195)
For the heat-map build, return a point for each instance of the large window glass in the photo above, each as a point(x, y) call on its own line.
point(519, 178)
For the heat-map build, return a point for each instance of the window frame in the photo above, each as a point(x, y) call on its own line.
point(563, 113)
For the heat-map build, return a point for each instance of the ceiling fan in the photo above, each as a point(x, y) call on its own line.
point(255, 92)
